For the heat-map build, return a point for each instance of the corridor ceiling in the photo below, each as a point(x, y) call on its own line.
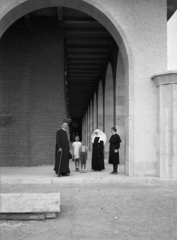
point(87, 49)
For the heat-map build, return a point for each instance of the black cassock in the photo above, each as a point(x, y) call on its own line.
point(97, 155)
point(62, 158)
point(114, 144)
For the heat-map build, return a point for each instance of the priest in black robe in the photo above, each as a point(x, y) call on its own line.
point(98, 140)
point(114, 141)
point(62, 153)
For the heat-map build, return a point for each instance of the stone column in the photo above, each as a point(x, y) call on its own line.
point(95, 112)
point(167, 124)
point(120, 106)
point(86, 128)
point(83, 127)
point(90, 129)
point(109, 107)
point(100, 107)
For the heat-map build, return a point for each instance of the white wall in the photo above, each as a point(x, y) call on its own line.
point(172, 42)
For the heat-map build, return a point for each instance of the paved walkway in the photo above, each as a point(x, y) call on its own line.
point(46, 175)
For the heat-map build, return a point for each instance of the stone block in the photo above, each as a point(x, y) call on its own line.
point(29, 202)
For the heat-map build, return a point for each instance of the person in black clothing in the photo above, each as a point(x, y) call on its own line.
point(114, 150)
point(62, 153)
point(98, 140)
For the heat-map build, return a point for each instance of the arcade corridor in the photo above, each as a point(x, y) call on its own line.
point(65, 62)
point(89, 62)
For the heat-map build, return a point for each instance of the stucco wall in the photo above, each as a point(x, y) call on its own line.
point(139, 28)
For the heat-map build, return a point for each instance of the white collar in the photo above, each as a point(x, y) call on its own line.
point(63, 129)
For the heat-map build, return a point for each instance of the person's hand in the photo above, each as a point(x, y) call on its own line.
point(60, 150)
point(116, 150)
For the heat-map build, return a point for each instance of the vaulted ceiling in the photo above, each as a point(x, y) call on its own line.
point(87, 48)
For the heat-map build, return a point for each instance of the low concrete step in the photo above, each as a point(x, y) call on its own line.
point(29, 202)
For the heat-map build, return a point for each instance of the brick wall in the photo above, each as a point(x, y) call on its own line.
point(32, 91)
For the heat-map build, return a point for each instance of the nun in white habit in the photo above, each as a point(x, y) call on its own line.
point(98, 141)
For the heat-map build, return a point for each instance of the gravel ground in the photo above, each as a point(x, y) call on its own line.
point(100, 212)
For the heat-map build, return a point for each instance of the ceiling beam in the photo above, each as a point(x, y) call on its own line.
point(84, 29)
point(89, 70)
point(71, 34)
point(85, 65)
point(60, 14)
point(86, 79)
point(87, 55)
point(82, 23)
point(85, 61)
point(85, 74)
point(87, 49)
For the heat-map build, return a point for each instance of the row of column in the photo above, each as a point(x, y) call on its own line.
point(106, 109)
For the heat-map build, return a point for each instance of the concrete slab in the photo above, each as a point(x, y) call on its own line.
point(29, 202)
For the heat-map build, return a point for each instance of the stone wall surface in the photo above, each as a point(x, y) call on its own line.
point(134, 25)
point(109, 106)
point(167, 124)
point(120, 106)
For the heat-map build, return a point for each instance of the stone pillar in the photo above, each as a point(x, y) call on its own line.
point(84, 127)
point(100, 107)
point(92, 114)
point(90, 129)
point(95, 112)
point(167, 124)
point(120, 106)
point(109, 107)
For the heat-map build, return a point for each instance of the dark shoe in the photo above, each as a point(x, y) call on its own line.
point(65, 174)
point(112, 172)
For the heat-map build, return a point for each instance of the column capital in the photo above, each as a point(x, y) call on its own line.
point(169, 77)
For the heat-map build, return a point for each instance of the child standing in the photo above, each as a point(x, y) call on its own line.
point(76, 152)
point(83, 156)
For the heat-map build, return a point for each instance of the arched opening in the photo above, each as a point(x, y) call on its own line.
point(98, 12)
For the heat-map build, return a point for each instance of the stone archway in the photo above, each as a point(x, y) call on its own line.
point(14, 10)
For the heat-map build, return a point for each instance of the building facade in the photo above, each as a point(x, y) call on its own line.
point(103, 62)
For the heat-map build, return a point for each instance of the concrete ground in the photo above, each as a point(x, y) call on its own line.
point(94, 205)
point(46, 175)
